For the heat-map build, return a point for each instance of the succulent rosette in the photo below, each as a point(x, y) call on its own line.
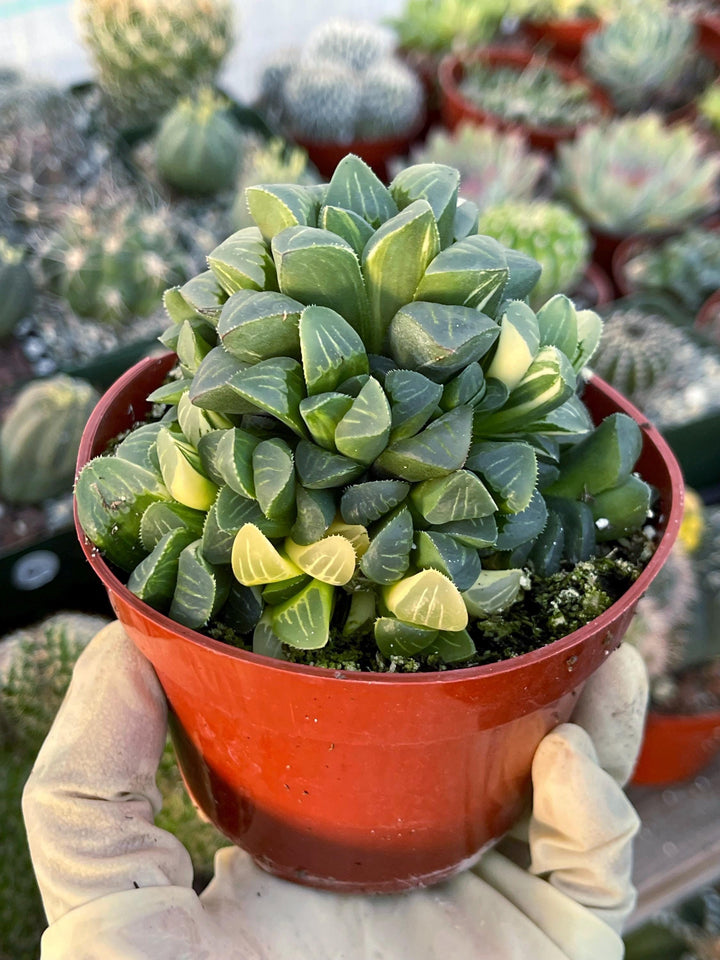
point(370, 433)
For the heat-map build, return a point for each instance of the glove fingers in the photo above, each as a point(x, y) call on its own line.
point(582, 826)
point(612, 711)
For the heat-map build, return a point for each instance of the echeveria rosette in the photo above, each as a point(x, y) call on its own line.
point(371, 433)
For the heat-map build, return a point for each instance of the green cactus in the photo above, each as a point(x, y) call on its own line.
point(437, 26)
point(271, 162)
point(636, 175)
point(687, 266)
point(641, 55)
point(366, 412)
point(16, 285)
point(343, 87)
point(535, 95)
point(547, 232)
point(111, 263)
point(199, 145)
point(635, 350)
point(495, 166)
point(40, 436)
point(149, 53)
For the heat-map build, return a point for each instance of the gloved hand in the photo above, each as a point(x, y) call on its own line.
point(115, 887)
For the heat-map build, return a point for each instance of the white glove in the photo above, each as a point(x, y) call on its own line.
point(115, 887)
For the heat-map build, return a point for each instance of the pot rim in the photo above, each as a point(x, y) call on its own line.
point(462, 674)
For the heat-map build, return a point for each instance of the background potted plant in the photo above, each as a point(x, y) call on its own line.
point(331, 490)
point(562, 25)
point(634, 176)
point(345, 91)
point(678, 632)
point(513, 88)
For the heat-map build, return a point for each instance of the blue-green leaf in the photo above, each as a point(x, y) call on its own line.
point(388, 556)
point(515, 529)
point(275, 207)
point(348, 225)
point(398, 639)
point(315, 511)
point(277, 387)
point(332, 351)
point(233, 460)
point(322, 413)
point(260, 326)
point(212, 386)
point(153, 579)
point(438, 551)
point(510, 469)
point(201, 588)
point(435, 183)
point(243, 262)
point(363, 432)
point(161, 518)
point(364, 503)
point(472, 272)
point(274, 478)
point(438, 450)
point(227, 515)
point(413, 400)
point(478, 533)
point(304, 620)
point(320, 469)
point(458, 496)
point(355, 187)
point(494, 591)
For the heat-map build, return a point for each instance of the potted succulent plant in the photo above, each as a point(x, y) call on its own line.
point(345, 91)
point(560, 242)
point(649, 351)
point(512, 88)
point(372, 455)
point(635, 176)
point(42, 423)
point(561, 25)
point(677, 630)
point(646, 58)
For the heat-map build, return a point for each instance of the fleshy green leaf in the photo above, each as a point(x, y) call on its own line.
point(363, 432)
point(493, 592)
point(314, 514)
point(233, 460)
point(472, 272)
point(435, 183)
point(332, 351)
point(478, 533)
point(590, 328)
point(200, 590)
point(265, 641)
point(243, 608)
point(212, 386)
point(322, 413)
point(427, 599)
point(274, 478)
point(191, 349)
point(170, 392)
point(361, 613)
point(388, 556)
point(602, 460)
point(393, 263)
point(182, 472)
point(547, 551)
point(348, 225)
point(304, 621)
point(453, 647)
point(438, 450)
point(161, 518)
point(459, 496)
point(153, 579)
point(277, 387)
point(318, 267)
point(355, 187)
point(524, 274)
point(256, 562)
point(578, 525)
point(260, 326)
point(510, 470)
point(364, 503)
point(621, 510)
point(243, 262)
point(226, 516)
point(466, 219)
point(515, 529)
point(413, 400)
point(140, 447)
point(397, 639)
point(571, 420)
point(283, 590)
point(438, 340)
point(557, 324)
point(438, 551)
point(331, 559)
point(320, 469)
point(275, 207)
point(196, 423)
point(468, 387)
point(517, 344)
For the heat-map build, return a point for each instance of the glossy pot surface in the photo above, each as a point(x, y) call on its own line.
point(457, 109)
point(677, 747)
point(359, 781)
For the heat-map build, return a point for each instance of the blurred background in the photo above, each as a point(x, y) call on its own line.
point(586, 134)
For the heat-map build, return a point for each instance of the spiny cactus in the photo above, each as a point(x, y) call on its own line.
point(437, 26)
point(635, 175)
point(635, 350)
point(271, 162)
point(687, 266)
point(343, 87)
point(533, 95)
point(640, 56)
point(112, 263)
point(40, 436)
point(199, 145)
point(364, 443)
point(494, 165)
point(149, 53)
point(548, 232)
point(17, 287)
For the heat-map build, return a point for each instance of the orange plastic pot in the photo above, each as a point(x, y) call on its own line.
point(677, 747)
point(457, 109)
point(564, 37)
point(359, 781)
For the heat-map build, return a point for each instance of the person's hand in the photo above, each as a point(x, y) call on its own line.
point(115, 887)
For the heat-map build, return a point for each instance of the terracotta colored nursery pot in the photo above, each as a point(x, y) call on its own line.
point(564, 37)
point(457, 109)
point(708, 318)
point(361, 781)
point(677, 747)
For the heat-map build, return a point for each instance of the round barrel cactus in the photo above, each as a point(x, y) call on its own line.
point(635, 350)
point(40, 437)
point(198, 145)
point(371, 437)
point(17, 286)
point(550, 233)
